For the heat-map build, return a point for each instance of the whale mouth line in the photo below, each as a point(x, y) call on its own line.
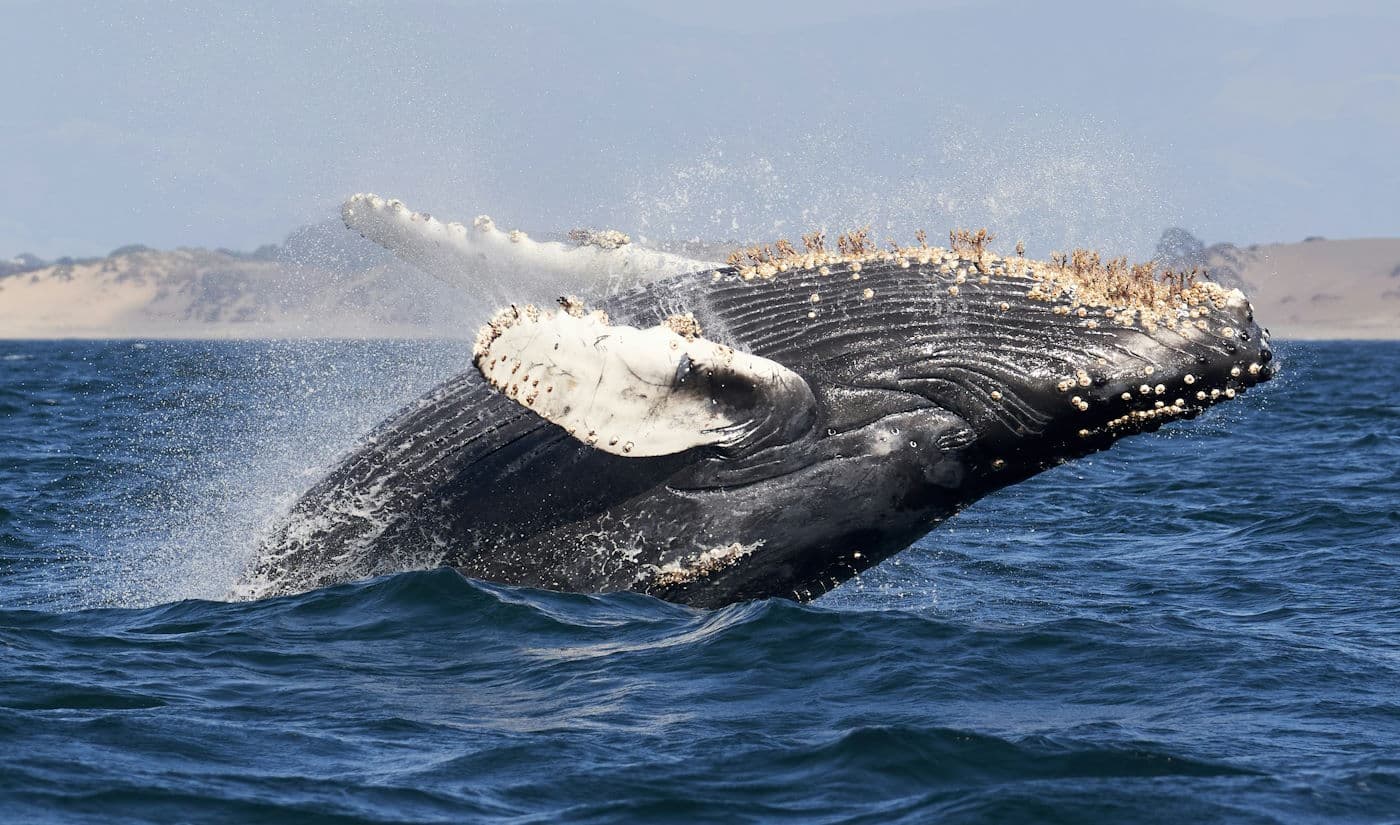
point(723, 476)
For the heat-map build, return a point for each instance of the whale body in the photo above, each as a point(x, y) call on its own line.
point(766, 428)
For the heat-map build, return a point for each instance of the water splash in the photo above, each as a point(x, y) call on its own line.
point(232, 434)
point(1054, 184)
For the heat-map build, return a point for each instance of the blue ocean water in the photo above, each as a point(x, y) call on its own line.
point(1198, 625)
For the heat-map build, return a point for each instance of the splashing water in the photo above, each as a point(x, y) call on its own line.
point(1055, 185)
point(179, 454)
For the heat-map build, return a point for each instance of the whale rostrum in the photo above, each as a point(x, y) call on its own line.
point(765, 427)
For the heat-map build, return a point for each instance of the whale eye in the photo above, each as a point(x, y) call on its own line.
point(831, 431)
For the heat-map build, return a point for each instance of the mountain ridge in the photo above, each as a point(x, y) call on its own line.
point(324, 282)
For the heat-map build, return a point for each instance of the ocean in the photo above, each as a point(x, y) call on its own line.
point(1201, 624)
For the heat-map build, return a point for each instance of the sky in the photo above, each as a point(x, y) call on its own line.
point(1061, 124)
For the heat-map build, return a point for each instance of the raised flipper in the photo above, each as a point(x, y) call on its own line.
point(467, 256)
point(641, 392)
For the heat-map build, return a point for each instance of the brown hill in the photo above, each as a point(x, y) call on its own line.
point(1319, 288)
point(198, 293)
point(320, 285)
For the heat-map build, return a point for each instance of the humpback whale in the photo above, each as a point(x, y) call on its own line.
point(769, 426)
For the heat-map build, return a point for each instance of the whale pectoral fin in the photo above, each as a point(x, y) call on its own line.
point(467, 256)
point(641, 392)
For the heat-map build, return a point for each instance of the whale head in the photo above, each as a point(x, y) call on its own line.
point(1039, 361)
point(1080, 361)
point(941, 376)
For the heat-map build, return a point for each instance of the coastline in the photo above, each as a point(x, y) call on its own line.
point(1314, 290)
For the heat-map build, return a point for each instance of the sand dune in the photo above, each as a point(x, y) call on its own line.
point(197, 293)
point(1320, 288)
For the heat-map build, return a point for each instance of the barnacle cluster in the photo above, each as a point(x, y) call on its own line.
point(1082, 282)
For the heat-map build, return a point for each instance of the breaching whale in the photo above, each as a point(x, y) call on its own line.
point(767, 427)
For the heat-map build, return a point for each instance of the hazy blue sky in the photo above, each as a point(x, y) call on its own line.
point(229, 124)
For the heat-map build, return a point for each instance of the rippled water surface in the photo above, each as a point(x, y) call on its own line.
point(1199, 625)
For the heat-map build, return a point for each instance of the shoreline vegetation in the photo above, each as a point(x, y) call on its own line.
point(319, 284)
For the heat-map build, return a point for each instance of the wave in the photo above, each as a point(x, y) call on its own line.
point(490, 701)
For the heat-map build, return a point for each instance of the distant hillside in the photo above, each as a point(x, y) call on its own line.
point(322, 282)
point(325, 282)
point(1316, 288)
